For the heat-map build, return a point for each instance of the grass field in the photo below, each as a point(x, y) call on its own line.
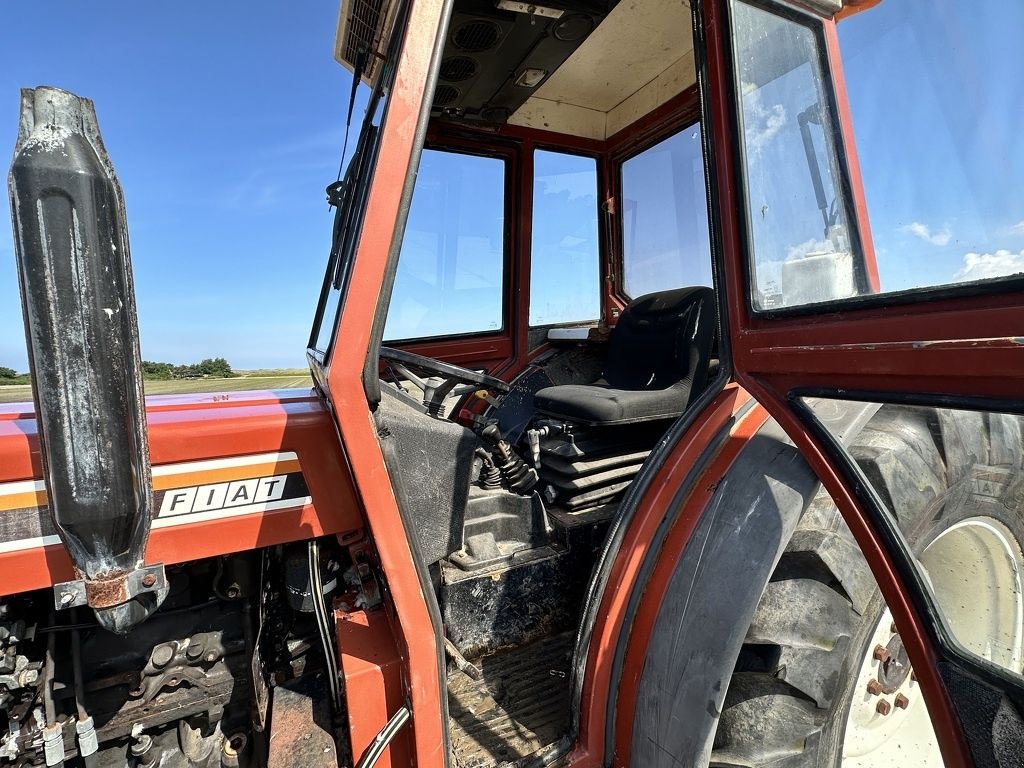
point(276, 379)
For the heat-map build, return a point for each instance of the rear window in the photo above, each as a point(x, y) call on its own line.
point(665, 241)
point(452, 263)
point(564, 259)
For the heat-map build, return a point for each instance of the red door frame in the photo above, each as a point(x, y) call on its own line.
point(414, 630)
point(883, 348)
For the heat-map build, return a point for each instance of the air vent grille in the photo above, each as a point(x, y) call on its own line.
point(445, 95)
point(455, 69)
point(477, 36)
point(363, 30)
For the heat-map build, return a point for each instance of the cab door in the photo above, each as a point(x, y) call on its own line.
point(867, 196)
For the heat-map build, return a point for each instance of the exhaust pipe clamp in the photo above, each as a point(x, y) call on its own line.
point(111, 592)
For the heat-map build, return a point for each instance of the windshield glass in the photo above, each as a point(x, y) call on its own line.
point(349, 196)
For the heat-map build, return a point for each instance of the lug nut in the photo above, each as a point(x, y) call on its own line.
point(883, 707)
point(902, 702)
point(882, 653)
point(874, 687)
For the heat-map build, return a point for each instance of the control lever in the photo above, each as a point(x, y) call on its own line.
point(533, 437)
point(520, 478)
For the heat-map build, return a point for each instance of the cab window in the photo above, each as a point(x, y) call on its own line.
point(665, 241)
point(564, 264)
point(936, 101)
point(452, 262)
point(938, 156)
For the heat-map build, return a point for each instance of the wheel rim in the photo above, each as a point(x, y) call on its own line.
point(975, 569)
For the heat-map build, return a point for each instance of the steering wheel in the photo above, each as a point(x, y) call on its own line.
point(444, 378)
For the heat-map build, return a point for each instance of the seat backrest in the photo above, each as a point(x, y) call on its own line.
point(663, 339)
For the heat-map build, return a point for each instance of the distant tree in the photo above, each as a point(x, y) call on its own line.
point(158, 371)
point(7, 373)
point(217, 366)
point(187, 372)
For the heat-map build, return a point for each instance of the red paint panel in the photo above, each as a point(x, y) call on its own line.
point(201, 427)
point(372, 668)
point(657, 585)
point(625, 569)
point(414, 631)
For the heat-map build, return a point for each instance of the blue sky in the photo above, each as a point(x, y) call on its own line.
point(937, 92)
point(225, 123)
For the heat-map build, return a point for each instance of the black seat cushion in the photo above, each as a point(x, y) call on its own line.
point(658, 356)
point(598, 403)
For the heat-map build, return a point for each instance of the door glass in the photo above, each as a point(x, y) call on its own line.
point(451, 267)
point(797, 217)
point(953, 482)
point(936, 99)
point(665, 241)
point(564, 260)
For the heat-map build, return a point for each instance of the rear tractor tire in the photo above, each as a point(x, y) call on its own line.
point(822, 678)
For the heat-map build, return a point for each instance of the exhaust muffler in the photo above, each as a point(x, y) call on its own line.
point(74, 270)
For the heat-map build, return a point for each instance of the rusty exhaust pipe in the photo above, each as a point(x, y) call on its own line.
point(75, 274)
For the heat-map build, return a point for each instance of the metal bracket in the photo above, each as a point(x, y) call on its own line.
point(106, 593)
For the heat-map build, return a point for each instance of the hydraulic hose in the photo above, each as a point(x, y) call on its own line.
point(53, 733)
point(88, 745)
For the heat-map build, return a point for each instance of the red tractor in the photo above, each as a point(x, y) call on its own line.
point(621, 450)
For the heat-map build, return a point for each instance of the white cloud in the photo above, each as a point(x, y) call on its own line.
point(923, 231)
point(761, 123)
point(1018, 228)
point(979, 266)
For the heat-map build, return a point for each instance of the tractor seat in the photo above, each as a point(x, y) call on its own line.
point(658, 357)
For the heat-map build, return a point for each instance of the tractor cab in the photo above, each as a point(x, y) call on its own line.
point(548, 316)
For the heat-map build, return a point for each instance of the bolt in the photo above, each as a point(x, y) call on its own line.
point(233, 591)
point(211, 656)
point(142, 745)
point(883, 707)
point(162, 655)
point(66, 598)
point(902, 702)
point(148, 580)
point(882, 653)
point(874, 687)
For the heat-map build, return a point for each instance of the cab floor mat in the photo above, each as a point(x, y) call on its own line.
point(518, 707)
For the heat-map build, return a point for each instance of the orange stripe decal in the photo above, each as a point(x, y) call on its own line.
point(26, 494)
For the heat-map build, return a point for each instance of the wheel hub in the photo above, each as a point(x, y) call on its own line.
point(888, 719)
point(894, 666)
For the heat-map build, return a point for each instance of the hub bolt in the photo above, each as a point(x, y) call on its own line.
point(882, 653)
point(902, 702)
point(883, 707)
point(874, 687)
